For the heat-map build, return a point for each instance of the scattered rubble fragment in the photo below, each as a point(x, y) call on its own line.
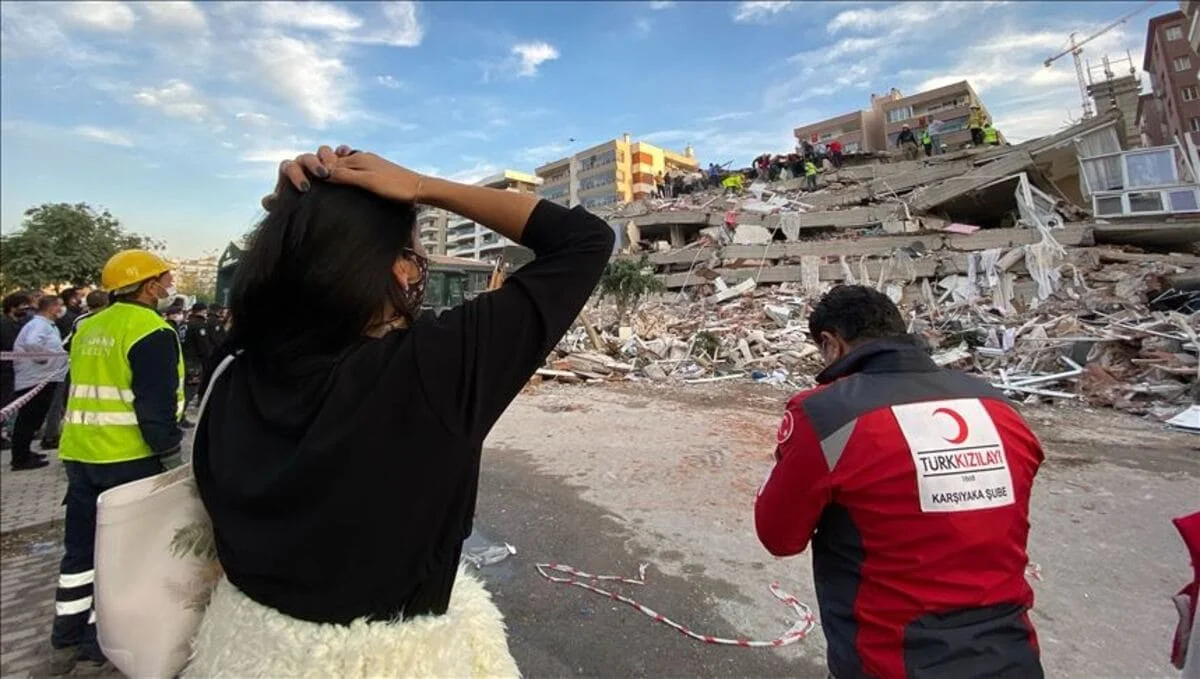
point(991, 253)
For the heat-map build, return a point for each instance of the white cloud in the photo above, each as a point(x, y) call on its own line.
point(542, 154)
point(176, 99)
point(474, 173)
point(116, 17)
point(661, 4)
point(176, 14)
point(400, 27)
point(389, 82)
point(315, 16)
point(532, 55)
point(251, 118)
point(732, 115)
point(899, 16)
point(397, 24)
point(642, 27)
point(759, 10)
point(274, 155)
point(306, 76)
point(103, 136)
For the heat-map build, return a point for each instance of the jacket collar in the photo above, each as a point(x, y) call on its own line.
point(903, 353)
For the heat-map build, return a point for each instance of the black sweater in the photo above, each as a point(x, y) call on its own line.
point(351, 496)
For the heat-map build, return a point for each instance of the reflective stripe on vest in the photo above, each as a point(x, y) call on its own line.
point(101, 424)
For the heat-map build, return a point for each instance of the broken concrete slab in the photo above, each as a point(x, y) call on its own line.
point(959, 183)
point(751, 234)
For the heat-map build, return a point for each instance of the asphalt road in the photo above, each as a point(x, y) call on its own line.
point(557, 630)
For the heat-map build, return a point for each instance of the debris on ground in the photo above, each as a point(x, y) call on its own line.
point(991, 253)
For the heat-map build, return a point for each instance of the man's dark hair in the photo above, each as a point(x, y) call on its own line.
point(97, 299)
point(15, 300)
point(69, 294)
point(856, 313)
point(198, 307)
point(47, 302)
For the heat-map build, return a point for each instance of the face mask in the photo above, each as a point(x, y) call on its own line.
point(62, 311)
point(415, 294)
point(165, 301)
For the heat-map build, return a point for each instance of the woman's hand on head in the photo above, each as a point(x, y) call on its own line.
point(298, 170)
point(377, 175)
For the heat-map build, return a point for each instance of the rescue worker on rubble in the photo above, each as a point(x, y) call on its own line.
point(975, 122)
point(906, 141)
point(913, 484)
point(927, 142)
point(991, 136)
point(122, 425)
point(339, 461)
point(810, 175)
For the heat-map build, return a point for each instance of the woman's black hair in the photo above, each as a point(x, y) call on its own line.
point(318, 272)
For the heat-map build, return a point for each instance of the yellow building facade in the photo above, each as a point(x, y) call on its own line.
point(618, 171)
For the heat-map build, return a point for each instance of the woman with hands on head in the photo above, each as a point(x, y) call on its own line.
point(339, 454)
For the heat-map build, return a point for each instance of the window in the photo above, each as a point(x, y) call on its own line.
point(1189, 93)
point(1174, 32)
point(1184, 201)
point(1182, 63)
point(1108, 205)
point(1194, 123)
point(1145, 201)
point(900, 114)
point(1150, 168)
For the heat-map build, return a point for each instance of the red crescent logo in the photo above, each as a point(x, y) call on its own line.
point(785, 428)
point(958, 420)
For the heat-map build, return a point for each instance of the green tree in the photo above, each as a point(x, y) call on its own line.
point(60, 243)
point(627, 282)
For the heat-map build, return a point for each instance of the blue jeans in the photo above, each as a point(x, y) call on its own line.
point(74, 612)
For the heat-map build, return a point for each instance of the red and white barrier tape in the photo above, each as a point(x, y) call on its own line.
point(8, 410)
point(16, 355)
point(798, 630)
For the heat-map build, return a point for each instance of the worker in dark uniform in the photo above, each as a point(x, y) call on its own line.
point(197, 349)
point(913, 484)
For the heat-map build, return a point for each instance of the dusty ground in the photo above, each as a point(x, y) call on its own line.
point(605, 477)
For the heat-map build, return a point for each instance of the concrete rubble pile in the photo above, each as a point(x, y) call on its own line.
point(988, 251)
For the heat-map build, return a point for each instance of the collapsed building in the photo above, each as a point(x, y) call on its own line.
point(1064, 267)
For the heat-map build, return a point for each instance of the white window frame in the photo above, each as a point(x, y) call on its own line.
point(1185, 59)
point(1165, 197)
point(1124, 155)
point(1189, 93)
point(1194, 124)
point(1174, 33)
point(894, 117)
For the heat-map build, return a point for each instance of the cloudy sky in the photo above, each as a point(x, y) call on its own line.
point(174, 115)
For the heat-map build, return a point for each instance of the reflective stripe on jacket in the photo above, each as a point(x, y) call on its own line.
point(101, 423)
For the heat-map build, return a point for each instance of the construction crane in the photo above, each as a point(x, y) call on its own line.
point(1075, 49)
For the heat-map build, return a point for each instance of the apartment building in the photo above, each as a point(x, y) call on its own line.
point(1173, 64)
point(447, 234)
point(852, 129)
point(876, 128)
point(617, 171)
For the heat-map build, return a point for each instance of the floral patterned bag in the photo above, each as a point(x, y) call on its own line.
point(156, 567)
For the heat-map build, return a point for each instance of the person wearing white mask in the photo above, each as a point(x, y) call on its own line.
point(40, 336)
point(122, 424)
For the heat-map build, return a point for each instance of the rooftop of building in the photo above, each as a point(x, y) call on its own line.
point(509, 176)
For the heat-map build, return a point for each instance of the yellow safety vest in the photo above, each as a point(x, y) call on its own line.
point(990, 135)
point(925, 138)
point(101, 425)
point(810, 170)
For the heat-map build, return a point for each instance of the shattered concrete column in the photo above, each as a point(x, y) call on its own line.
point(677, 237)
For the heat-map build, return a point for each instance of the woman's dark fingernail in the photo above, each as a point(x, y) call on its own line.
point(305, 186)
point(321, 171)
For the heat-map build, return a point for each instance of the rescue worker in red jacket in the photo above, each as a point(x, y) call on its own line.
point(913, 484)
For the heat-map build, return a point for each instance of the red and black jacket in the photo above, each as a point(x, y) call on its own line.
point(913, 484)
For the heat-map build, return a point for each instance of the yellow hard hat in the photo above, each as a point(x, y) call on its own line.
point(132, 266)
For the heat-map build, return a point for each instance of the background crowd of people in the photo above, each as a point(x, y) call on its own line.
point(37, 322)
